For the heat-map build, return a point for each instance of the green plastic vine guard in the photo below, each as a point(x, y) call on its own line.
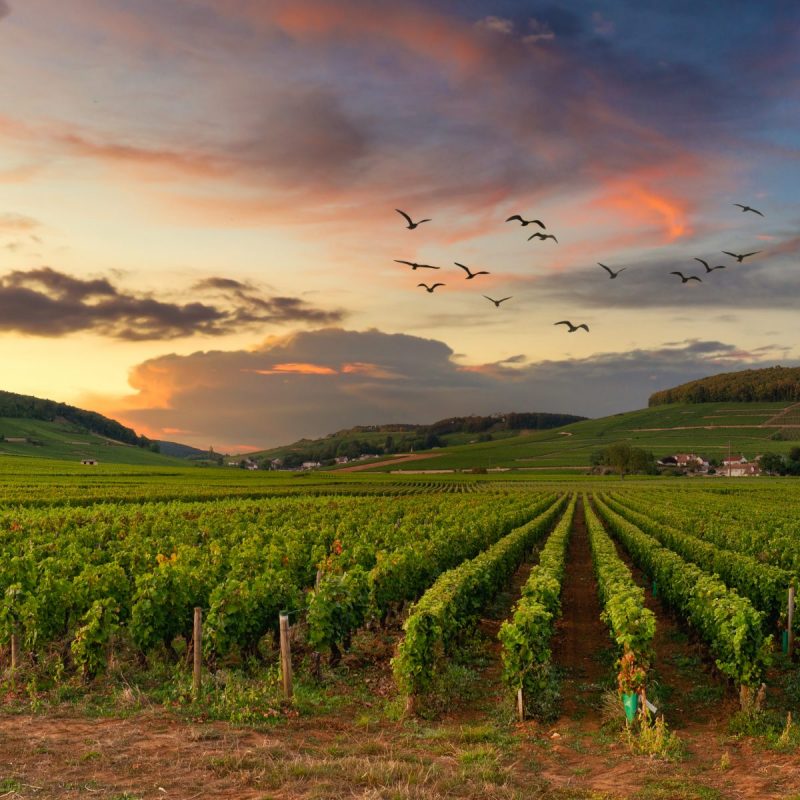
point(630, 702)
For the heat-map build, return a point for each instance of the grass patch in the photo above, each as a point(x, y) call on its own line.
point(677, 789)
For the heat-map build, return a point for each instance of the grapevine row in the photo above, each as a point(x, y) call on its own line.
point(763, 584)
point(732, 628)
point(526, 637)
point(451, 606)
point(631, 624)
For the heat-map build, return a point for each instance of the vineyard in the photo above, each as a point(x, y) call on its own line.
point(530, 606)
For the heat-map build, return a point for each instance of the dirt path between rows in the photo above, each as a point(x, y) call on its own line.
point(581, 646)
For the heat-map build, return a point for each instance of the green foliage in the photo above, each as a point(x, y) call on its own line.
point(242, 611)
point(337, 607)
point(625, 459)
point(526, 637)
point(763, 584)
point(451, 606)
point(728, 622)
point(632, 625)
point(90, 644)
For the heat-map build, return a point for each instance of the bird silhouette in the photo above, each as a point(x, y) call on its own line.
point(749, 208)
point(709, 269)
point(684, 279)
point(470, 275)
point(611, 273)
point(429, 289)
point(740, 256)
point(543, 236)
point(525, 222)
point(414, 265)
point(411, 224)
point(497, 302)
point(572, 328)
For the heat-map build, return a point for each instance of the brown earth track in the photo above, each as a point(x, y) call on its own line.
point(581, 646)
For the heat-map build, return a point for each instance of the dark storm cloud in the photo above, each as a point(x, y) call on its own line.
point(769, 280)
point(46, 302)
point(320, 381)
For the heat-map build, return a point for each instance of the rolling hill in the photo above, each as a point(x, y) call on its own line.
point(710, 429)
point(402, 438)
point(38, 428)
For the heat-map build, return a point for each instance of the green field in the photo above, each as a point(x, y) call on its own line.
point(418, 607)
point(63, 440)
point(704, 429)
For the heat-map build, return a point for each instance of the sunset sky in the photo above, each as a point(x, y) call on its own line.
point(197, 224)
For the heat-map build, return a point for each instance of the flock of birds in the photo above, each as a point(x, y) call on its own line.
point(411, 225)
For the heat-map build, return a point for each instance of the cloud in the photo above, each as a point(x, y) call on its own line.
point(496, 25)
point(539, 32)
point(319, 381)
point(762, 282)
point(305, 132)
point(46, 302)
point(5, 9)
point(17, 223)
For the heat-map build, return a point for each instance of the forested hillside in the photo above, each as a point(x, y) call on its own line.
point(750, 385)
point(21, 406)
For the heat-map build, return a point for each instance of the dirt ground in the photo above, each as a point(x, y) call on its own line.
point(473, 750)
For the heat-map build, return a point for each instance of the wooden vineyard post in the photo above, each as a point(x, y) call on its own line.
point(14, 654)
point(520, 705)
point(198, 653)
point(286, 656)
point(790, 620)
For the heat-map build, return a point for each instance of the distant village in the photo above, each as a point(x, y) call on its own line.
point(277, 463)
point(732, 467)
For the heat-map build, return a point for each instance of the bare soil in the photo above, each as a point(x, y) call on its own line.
point(581, 647)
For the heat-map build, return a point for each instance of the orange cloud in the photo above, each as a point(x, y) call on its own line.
point(370, 370)
point(298, 369)
point(192, 163)
point(637, 198)
point(422, 32)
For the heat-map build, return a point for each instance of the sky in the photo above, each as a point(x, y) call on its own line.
point(197, 206)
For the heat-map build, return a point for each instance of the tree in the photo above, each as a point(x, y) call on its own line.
point(618, 456)
point(772, 464)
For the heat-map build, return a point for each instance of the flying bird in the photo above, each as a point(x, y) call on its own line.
point(414, 265)
point(740, 257)
point(525, 222)
point(429, 289)
point(411, 224)
point(572, 328)
point(543, 236)
point(470, 275)
point(749, 208)
point(611, 273)
point(497, 302)
point(709, 269)
point(684, 279)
